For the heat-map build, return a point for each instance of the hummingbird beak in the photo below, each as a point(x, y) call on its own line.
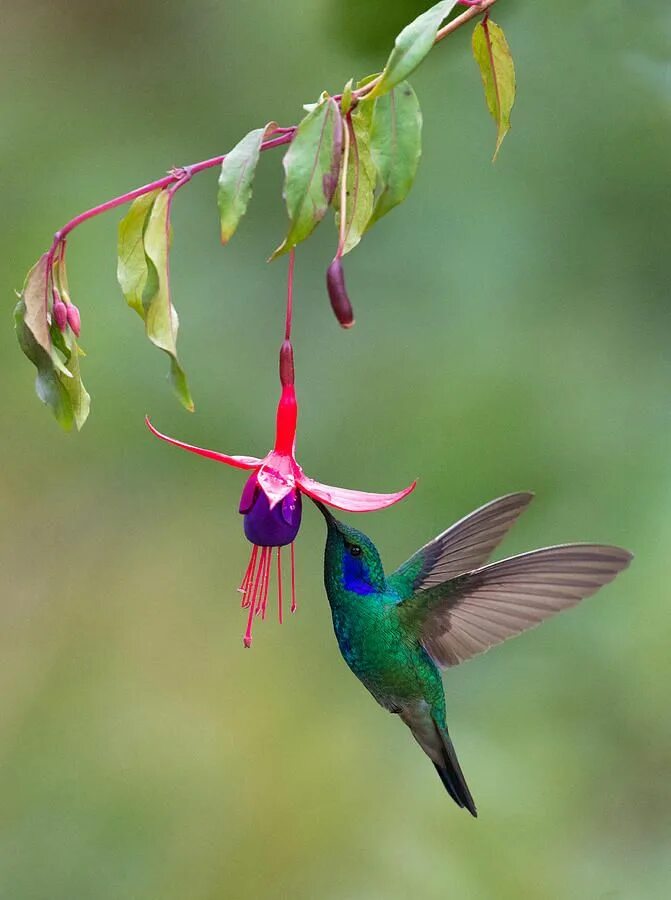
point(324, 510)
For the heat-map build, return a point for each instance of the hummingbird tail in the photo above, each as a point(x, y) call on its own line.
point(451, 775)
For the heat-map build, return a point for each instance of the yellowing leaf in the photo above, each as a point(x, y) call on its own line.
point(411, 46)
point(132, 262)
point(493, 56)
point(34, 296)
point(144, 275)
point(311, 164)
point(161, 319)
point(361, 178)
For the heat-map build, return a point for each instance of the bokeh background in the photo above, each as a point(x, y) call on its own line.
point(512, 332)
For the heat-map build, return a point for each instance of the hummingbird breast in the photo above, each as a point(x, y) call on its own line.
point(378, 652)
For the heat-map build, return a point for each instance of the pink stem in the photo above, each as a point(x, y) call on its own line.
point(176, 177)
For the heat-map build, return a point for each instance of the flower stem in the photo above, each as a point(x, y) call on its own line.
point(290, 295)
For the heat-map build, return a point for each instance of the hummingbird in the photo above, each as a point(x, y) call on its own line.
point(443, 606)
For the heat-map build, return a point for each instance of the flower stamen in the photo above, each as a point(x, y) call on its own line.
point(279, 584)
point(293, 579)
point(247, 577)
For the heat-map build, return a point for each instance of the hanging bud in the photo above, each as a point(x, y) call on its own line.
point(335, 283)
point(74, 319)
point(286, 364)
point(60, 313)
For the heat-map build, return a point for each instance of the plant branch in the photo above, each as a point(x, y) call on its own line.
point(179, 176)
point(474, 9)
point(175, 179)
point(466, 16)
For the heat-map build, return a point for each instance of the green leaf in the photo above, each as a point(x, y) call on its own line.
point(80, 402)
point(132, 262)
point(35, 297)
point(60, 387)
point(396, 146)
point(411, 46)
point(347, 97)
point(235, 181)
point(144, 275)
point(311, 164)
point(161, 320)
point(361, 179)
point(493, 56)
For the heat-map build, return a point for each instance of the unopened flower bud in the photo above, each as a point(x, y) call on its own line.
point(74, 319)
point(60, 314)
point(286, 364)
point(335, 283)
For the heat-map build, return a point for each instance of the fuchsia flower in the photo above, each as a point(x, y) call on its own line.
point(271, 499)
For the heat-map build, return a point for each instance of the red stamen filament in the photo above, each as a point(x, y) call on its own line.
point(244, 586)
point(265, 579)
point(254, 593)
point(279, 583)
point(256, 583)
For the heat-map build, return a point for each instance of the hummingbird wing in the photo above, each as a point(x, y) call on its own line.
point(463, 547)
point(468, 615)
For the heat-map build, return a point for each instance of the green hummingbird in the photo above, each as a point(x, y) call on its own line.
point(443, 606)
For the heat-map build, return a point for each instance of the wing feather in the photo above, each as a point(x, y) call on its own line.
point(470, 614)
point(463, 547)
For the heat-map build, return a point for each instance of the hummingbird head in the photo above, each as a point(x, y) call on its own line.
point(351, 560)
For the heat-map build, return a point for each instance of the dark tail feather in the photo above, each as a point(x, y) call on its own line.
point(452, 777)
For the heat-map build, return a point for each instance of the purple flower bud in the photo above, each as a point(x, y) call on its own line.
point(335, 283)
point(268, 527)
point(60, 314)
point(74, 319)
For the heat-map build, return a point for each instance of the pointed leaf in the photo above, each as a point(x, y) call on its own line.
point(361, 179)
point(161, 320)
point(34, 296)
point(80, 401)
point(235, 181)
point(396, 146)
point(347, 97)
point(493, 56)
point(411, 46)
point(312, 164)
point(132, 262)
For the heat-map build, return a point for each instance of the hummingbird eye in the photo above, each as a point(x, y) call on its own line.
point(355, 550)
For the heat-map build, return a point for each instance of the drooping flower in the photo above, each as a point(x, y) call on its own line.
point(271, 499)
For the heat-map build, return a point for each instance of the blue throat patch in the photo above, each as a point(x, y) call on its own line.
point(355, 576)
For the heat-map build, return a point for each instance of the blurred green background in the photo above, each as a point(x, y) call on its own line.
point(512, 332)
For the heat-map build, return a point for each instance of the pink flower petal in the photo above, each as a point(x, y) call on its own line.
point(350, 501)
point(277, 476)
point(238, 462)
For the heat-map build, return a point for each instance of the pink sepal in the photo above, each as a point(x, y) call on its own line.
point(350, 501)
point(277, 476)
point(238, 462)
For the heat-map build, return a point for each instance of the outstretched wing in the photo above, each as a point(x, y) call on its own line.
point(479, 610)
point(463, 547)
